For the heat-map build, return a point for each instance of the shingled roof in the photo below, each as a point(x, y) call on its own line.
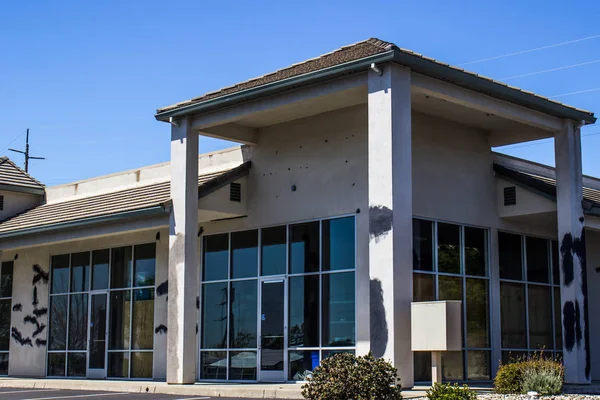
point(377, 50)
point(14, 178)
point(142, 200)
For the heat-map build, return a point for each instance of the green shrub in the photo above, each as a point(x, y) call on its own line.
point(344, 376)
point(536, 373)
point(447, 391)
point(509, 378)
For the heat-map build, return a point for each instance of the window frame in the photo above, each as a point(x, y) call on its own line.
point(2, 264)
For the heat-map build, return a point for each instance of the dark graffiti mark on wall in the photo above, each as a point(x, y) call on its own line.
point(38, 312)
point(163, 289)
point(575, 311)
point(39, 274)
point(33, 320)
point(19, 338)
point(380, 221)
point(379, 328)
point(161, 329)
point(197, 302)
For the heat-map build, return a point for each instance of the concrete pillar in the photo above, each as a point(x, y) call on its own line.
point(183, 256)
point(390, 217)
point(571, 236)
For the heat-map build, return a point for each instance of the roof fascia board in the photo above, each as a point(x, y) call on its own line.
point(22, 189)
point(145, 212)
point(470, 81)
point(278, 86)
point(484, 103)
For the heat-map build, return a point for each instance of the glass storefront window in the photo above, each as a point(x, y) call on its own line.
point(304, 248)
point(530, 295)
point(454, 269)
point(319, 294)
point(339, 310)
point(338, 244)
point(117, 286)
point(244, 254)
point(273, 250)
point(216, 257)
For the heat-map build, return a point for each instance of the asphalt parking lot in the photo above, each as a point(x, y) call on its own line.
point(54, 394)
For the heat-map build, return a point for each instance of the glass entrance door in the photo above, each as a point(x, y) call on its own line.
point(272, 330)
point(97, 336)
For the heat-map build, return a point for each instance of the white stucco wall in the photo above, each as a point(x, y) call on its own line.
point(30, 361)
point(16, 202)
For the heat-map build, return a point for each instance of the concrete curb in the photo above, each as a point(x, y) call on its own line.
point(254, 391)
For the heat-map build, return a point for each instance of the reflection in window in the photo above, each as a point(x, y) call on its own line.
point(450, 288)
point(512, 305)
point(141, 364)
point(56, 364)
point(80, 272)
point(6, 279)
point(537, 260)
point(274, 252)
point(422, 245)
point(216, 257)
point(338, 309)
point(4, 325)
point(302, 363)
point(77, 364)
point(214, 316)
point(423, 287)
point(78, 325)
point(58, 323)
point(244, 254)
point(511, 256)
point(142, 328)
point(213, 365)
point(449, 248)
point(477, 313)
point(242, 365)
point(243, 314)
point(118, 365)
point(478, 365)
point(120, 310)
point(338, 244)
point(121, 268)
point(304, 311)
point(145, 264)
point(60, 274)
point(476, 251)
point(304, 248)
point(557, 319)
point(100, 269)
point(540, 317)
point(452, 365)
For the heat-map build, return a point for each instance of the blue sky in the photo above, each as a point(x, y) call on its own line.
point(86, 77)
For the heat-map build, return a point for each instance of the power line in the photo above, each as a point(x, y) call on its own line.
point(577, 92)
point(14, 140)
point(550, 70)
point(530, 50)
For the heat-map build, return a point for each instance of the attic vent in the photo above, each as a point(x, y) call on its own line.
point(235, 192)
point(1, 203)
point(510, 196)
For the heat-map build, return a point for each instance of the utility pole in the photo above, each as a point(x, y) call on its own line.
point(26, 153)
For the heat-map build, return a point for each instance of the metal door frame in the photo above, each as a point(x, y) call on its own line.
point(94, 373)
point(263, 375)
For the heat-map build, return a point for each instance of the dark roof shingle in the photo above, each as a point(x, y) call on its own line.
point(12, 175)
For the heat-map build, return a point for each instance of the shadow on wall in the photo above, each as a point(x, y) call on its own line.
point(379, 328)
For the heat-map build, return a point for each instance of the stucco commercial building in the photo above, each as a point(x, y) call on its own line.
point(366, 181)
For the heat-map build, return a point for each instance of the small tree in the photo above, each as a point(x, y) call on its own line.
point(344, 376)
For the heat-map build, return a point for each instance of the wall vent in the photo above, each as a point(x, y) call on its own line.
point(235, 192)
point(1, 202)
point(510, 196)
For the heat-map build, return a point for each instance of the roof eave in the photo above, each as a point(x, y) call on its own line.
point(276, 87)
point(415, 62)
point(144, 212)
point(22, 189)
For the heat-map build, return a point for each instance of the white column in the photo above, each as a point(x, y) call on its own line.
point(183, 256)
point(571, 236)
point(390, 217)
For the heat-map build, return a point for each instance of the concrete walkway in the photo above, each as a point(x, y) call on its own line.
point(242, 390)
